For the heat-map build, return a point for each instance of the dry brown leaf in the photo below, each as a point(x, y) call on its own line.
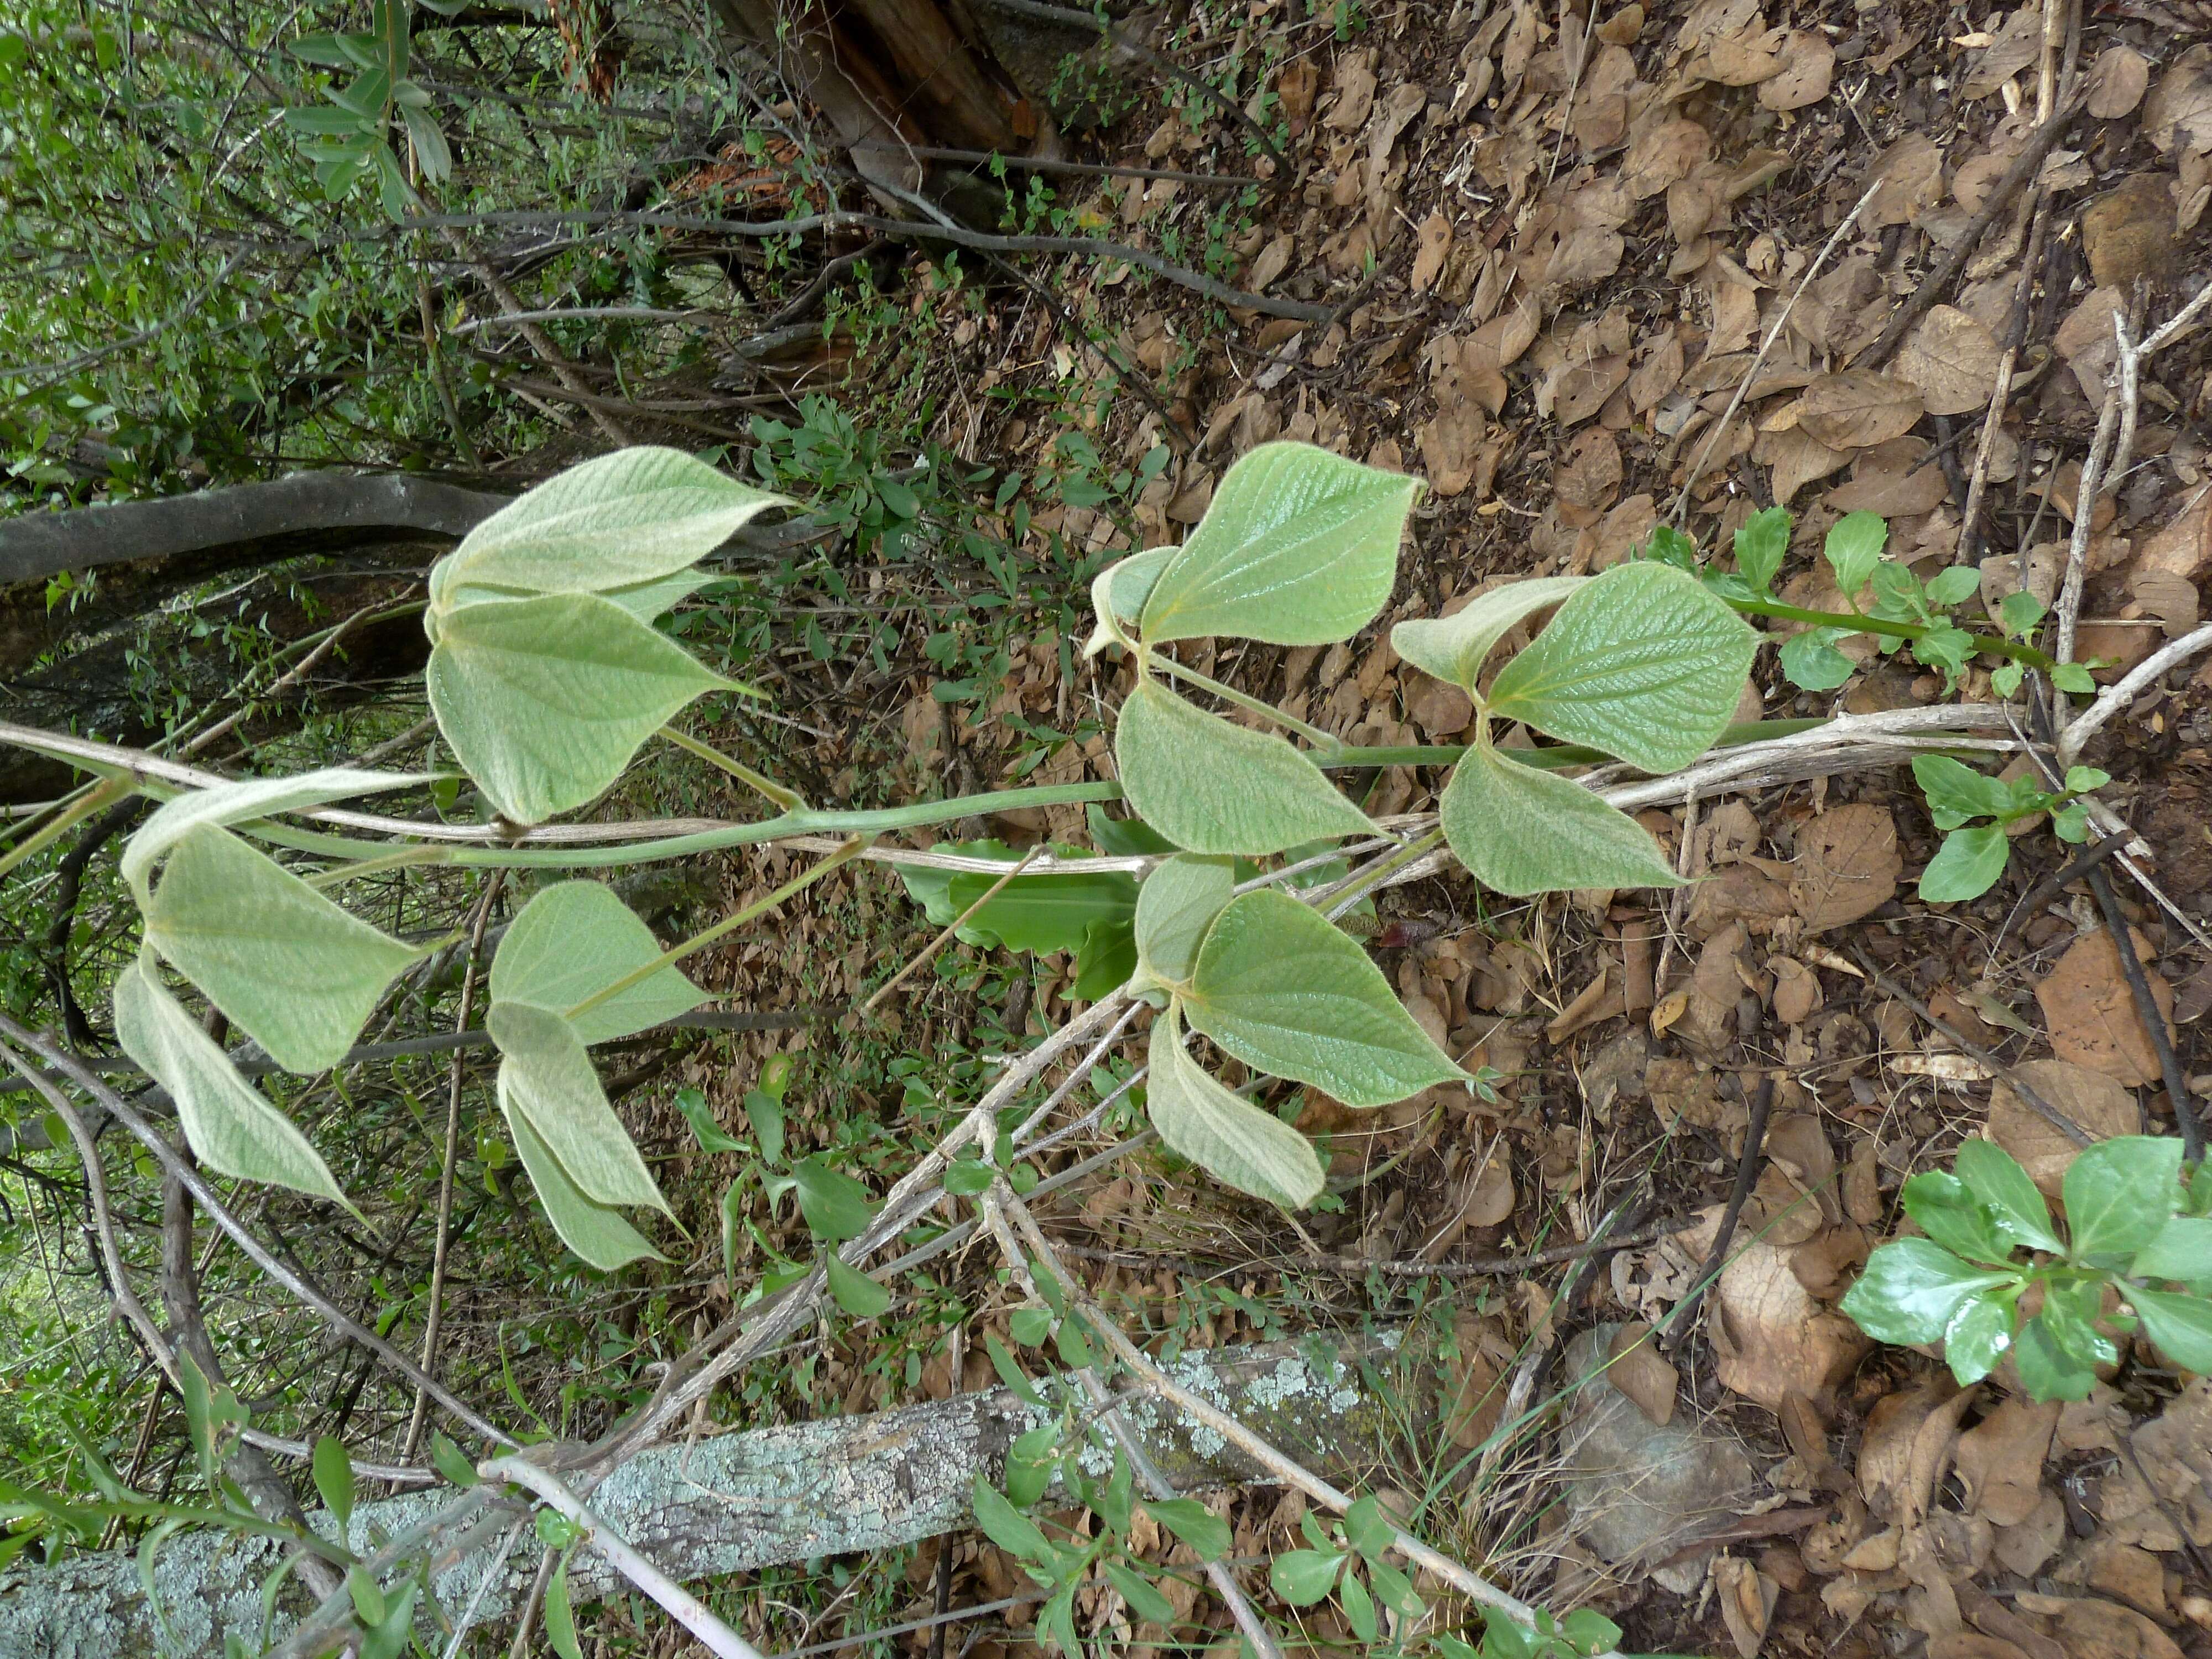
point(1953, 361)
point(1793, 460)
point(1490, 1194)
point(1912, 174)
point(1662, 153)
point(2084, 338)
point(1897, 479)
point(1638, 1371)
point(1442, 711)
point(2091, 1014)
point(1826, 1263)
point(1770, 1338)
point(2128, 232)
point(1808, 65)
point(1747, 1598)
point(2183, 548)
point(2094, 1629)
point(1910, 1436)
point(2118, 80)
point(1744, 59)
point(1658, 374)
point(1474, 1402)
point(1857, 408)
point(2000, 1461)
point(1296, 84)
point(1274, 259)
point(1797, 995)
point(1847, 865)
point(1354, 80)
point(1577, 391)
point(2017, 45)
point(1433, 246)
point(2096, 1103)
point(1587, 482)
point(1395, 114)
point(2177, 114)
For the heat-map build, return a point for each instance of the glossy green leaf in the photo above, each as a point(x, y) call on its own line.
point(613, 522)
point(333, 1472)
point(547, 1079)
point(1810, 661)
point(1976, 1340)
point(1954, 787)
point(2120, 1194)
point(1206, 1532)
point(290, 969)
point(1302, 1577)
point(1107, 958)
point(1228, 1137)
point(2178, 1325)
point(1911, 1290)
point(574, 940)
point(1298, 547)
point(1521, 831)
point(2047, 1370)
point(1966, 866)
point(1641, 662)
point(1995, 1177)
point(1950, 1214)
point(1279, 987)
point(596, 1232)
point(1210, 787)
point(837, 1207)
point(452, 1462)
point(1954, 586)
point(2071, 1310)
point(1367, 1529)
point(545, 700)
point(1043, 913)
point(1454, 647)
point(231, 1129)
point(2182, 1252)
point(1176, 906)
point(1761, 544)
point(1854, 548)
point(242, 802)
point(1118, 594)
point(855, 1291)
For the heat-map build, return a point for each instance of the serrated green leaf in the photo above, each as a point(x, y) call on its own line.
point(1761, 544)
point(855, 1291)
point(572, 940)
point(1298, 547)
point(1976, 1340)
point(1641, 662)
point(1286, 993)
point(2120, 1194)
point(2182, 1252)
point(2179, 1326)
point(1520, 831)
point(1854, 548)
point(545, 700)
point(1810, 661)
point(1911, 1289)
point(1951, 1215)
point(1230, 1139)
point(1996, 1178)
point(1210, 787)
point(1453, 648)
point(241, 802)
point(1302, 1577)
point(1966, 866)
point(596, 1232)
point(230, 1127)
point(634, 516)
point(1118, 594)
point(546, 1079)
point(290, 969)
point(1176, 906)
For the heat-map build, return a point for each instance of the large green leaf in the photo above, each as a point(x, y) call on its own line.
point(236, 802)
point(1118, 594)
point(1045, 913)
point(1300, 547)
point(1176, 906)
point(292, 970)
point(1453, 647)
point(595, 1231)
point(1521, 831)
point(1910, 1291)
point(1642, 662)
point(1995, 1177)
point(2180, 1326)
point(1213, 787)
point(546, 1080)
point(633, 516)
point(574, 940)
point(1280, 988)
point(1230, 1139)
point(2120, 1194)
point(2181, 1252)
point(545, 700)
point(231, 1129)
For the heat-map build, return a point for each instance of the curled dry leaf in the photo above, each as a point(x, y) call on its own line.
point(1847, 865)
point(1795, 458)
point(2016, 45)
point(1661, 153)
point(2091, 1014)
point(2118, 80)
point(1910, 1438)
point(1638, 1371)
point(1858, 408)
point(2177, 114)
point(1433, 246)
point(2000, 1460)
point(1808, 66)
point(1912, 174)
point(1747, 1598)
point(1354, 80)
point(1770, 1338)
point(1745, 58)
point(1952, 360)
point(2099, 1106)
point(1797, 994)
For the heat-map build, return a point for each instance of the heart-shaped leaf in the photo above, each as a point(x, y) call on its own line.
point(1453, 647)
point(238, 803)
point(1118, 594)
point(1175, 907)
point(595, 1231)
point(570, 942)
point(1522, 831)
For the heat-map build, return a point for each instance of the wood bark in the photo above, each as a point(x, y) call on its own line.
point(731, 1503)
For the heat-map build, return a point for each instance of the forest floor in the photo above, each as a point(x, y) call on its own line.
point(1590, 275)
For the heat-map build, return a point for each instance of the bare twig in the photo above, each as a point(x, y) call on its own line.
point(2153, 1017)
point(1748, 1170)
point(2115, 698)
point(540, 341)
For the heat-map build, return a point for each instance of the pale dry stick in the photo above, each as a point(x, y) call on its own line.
point(466, 1622)
point(532, 1599)
point(2131, 374)
point(930, 949)
point(683, 1607)
point(440, 1250)
point(2046, 74)
point(117, 1106)
point(1081, 1070)
point(1684, 856)
point(540, 341)
point(2115, 698)
point(1279, 1465)
point(1773, 333)
point(1993, 423)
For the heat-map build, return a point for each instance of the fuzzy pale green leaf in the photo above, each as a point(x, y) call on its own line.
point(1453, 647)
point(545, 700)
point(1277, 986)
point(290, 969)
point(546, 1079)
point(595, 1231)
point(230, 1127)
point(1210, 787)
point(1300, 547)
point(237, 803)
point(1521, 831)
point(1118, 594)
point(574, 940)
point(1642, 662)
point(1175, 907)
point(1230, 1139)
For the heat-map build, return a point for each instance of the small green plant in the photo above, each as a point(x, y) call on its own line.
point(1973, 856)
point(1341, 1553)
point(2131, 1224)
point(1580, 1634)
